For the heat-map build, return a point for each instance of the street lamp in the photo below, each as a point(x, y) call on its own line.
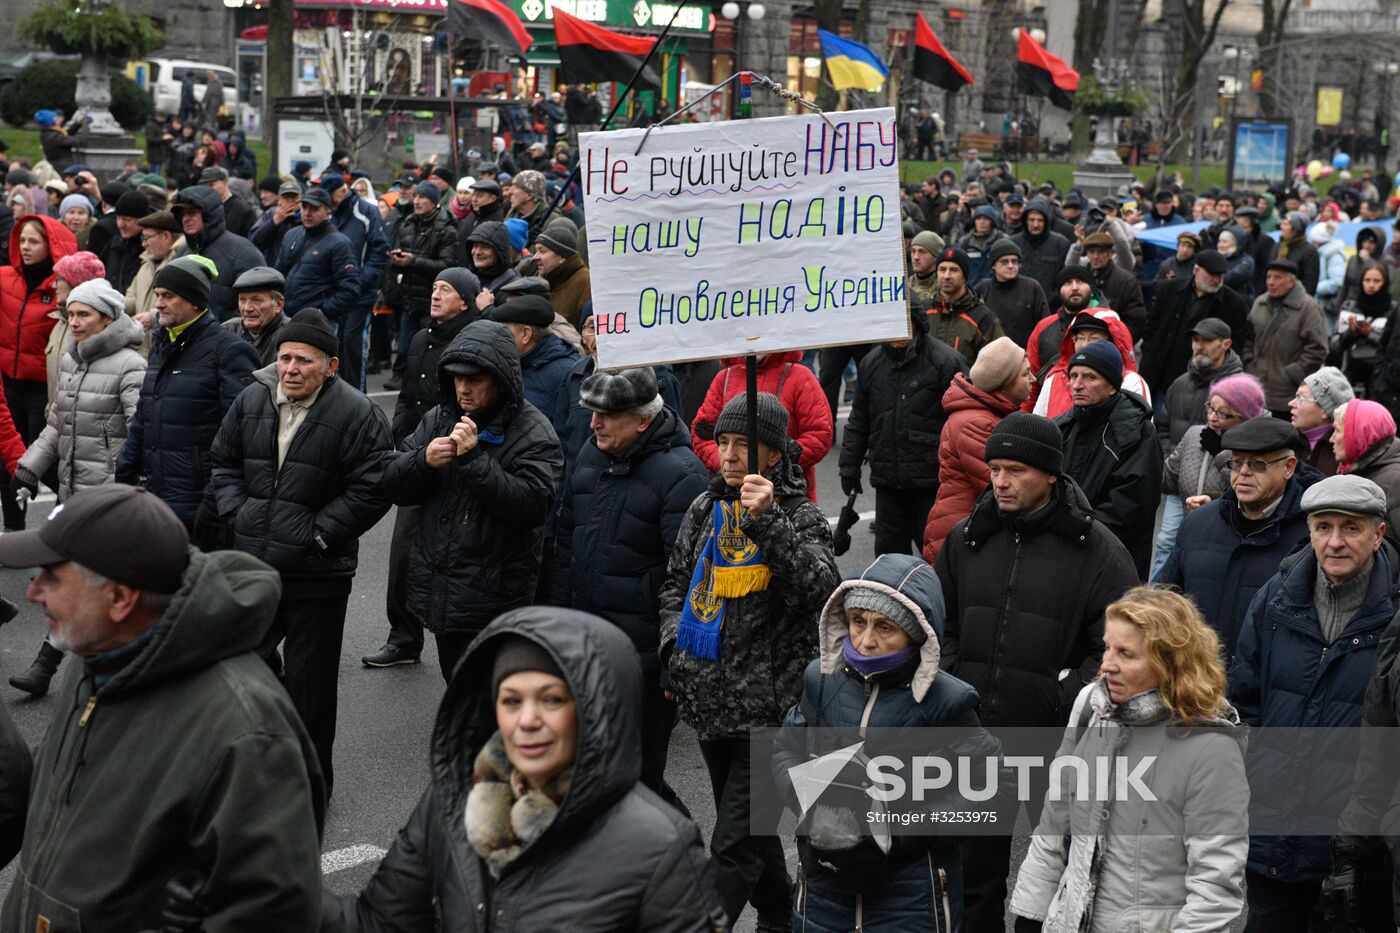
point(1235, 56)
point(730, 11)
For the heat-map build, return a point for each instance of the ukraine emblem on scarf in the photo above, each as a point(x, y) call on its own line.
point(730, 565)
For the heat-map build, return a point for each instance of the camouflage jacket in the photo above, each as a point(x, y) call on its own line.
point(769, 636)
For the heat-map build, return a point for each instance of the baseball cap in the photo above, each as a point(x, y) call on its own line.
point(289, 187)
point(1211, 328)
point(95, 528)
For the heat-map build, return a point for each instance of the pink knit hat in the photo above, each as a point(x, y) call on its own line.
point(77, 268)
point(1364, 424)
point(1242, 392)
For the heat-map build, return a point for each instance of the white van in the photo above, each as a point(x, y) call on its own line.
point(165, 75)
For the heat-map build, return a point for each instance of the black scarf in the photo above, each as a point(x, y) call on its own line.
point(35, 275)
point(1377, 305)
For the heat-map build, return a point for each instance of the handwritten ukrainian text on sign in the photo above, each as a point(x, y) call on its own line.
point(752, 236)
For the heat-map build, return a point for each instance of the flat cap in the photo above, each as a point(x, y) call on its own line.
point(160, 220)
point(1284, 265)
point(1211, 328)
point(1212, 262)
point(1260, 435)
point(525, 285)
point(260, 279)
point(1098, 241)
point(1348, 494)
point(487, 185)
point(530, 310)
point(619, 391)
point(213, 173)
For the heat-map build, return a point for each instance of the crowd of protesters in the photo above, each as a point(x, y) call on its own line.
point(1116, 489)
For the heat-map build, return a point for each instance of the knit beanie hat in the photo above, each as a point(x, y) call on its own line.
point(519, 230)
point(310, 326)
point(865, 597)
point(428, 190)
point(772, 419)
point(1026, 438)
point(929, 241)
point(187, 278)
point(74, 200)
point(997, 364)
point(1103, 358)
point(954, 255)
point(517, 654)
point(1365, 423)
point(1004, 247)
point(463, 281)
point(561, 238)
point(1242, 392)
point(1331, 388)
point(77, 268)
point(100, 296)
point(133, 204)
point(1299, 220)
point(1322, 233)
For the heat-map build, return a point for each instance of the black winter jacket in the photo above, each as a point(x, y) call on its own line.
point(1112, 453)
point(321, 271)
point(1123, 294)
point(306, 517)
point(1288, 676)
point(897, 416)
point(1019, 304)
point(768, 635)
point(1043, 257)
point(422, 383)
point(267, 235)
point(231, 254)
point(431, 238)
point(476, 551)
point(359, 222)
point(1303, 255)
point(190, 384)
point(1185, 402)
point(1221, 560)
point(617, 526)
point(1167, 336)
point(615, 858)
point(239, 216)
point(1025, 600)
point(543, 371)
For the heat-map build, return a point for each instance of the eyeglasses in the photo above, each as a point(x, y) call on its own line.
point(1255, 466)
point(1300, 397)
point(1224, 414)
point(148, 237)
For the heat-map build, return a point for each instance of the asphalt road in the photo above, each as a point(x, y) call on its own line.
point(386, 716)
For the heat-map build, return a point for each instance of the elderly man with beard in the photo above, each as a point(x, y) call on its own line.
point(1176, 312)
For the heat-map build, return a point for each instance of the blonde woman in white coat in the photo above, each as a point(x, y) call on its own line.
point(1174, 864)
point(99, 382)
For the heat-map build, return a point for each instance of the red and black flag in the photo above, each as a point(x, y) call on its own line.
point(1044, 75)
point(487, 21)
point(590, 54)
point(932, 63)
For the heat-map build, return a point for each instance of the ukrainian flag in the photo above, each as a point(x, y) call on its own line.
point(852, 64)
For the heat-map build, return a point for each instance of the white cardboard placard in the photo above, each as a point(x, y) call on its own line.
point(747, 236)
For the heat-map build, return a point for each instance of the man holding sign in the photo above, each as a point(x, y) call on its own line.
point(751, 567)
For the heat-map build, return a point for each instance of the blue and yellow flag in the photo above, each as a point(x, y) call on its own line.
point(852, 64)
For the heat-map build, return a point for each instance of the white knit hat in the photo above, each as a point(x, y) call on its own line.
point(100, 296)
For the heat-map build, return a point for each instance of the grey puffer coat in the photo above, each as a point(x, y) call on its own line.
point(614, 859)
point(1176, 863)
point(99, 384)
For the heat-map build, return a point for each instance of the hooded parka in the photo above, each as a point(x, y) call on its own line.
point(962, 470)
point(189, 757)
point(477, 547)
point(614, 859)
point(24, 306)
point(99, 385)
point(921, 883)
point(231, 254)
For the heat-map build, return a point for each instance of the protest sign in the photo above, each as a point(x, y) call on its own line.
point(749, 236)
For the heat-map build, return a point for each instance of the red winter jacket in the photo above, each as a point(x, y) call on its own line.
point(809, 416)
point(24, 314)
point(962, 470)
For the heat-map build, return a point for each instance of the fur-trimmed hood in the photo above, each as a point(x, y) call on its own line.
point(911, 582)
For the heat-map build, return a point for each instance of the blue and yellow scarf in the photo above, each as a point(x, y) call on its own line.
point(730, 565)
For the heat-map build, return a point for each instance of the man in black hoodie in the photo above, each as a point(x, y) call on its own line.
point(1018, 301)
point(201, 216)
point(1043, 250)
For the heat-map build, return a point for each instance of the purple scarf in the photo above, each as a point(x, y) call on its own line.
point(868, 667)
point(1315, 434)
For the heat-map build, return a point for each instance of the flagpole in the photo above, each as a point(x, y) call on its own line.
point(617, 105)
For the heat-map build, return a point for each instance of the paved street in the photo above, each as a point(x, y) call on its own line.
point(386, 716)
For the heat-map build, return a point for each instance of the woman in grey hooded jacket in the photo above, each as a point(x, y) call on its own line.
point(1173, 858)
